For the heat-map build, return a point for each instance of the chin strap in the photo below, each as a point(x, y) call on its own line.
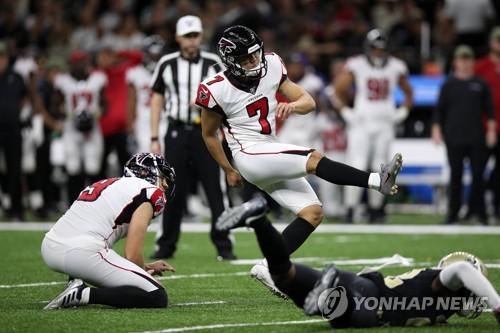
point(129, 173)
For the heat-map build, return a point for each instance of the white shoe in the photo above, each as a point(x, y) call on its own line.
point(69, 297)
point(260, 272)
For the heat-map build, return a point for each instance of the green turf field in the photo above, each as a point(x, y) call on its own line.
point(210, 296)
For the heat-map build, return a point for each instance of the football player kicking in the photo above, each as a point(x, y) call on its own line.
point(80, 243)
point(243, 99)
point(459, 276)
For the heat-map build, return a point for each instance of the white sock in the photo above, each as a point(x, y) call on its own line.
point(85, 296)
point(374, 181)
point(463, 274)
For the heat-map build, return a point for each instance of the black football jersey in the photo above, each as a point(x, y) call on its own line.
point(417, 304)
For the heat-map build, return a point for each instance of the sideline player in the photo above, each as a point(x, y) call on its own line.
point(140, 94)
point(371, 123)
point(458, 275)
point(81, 94)
point(243, 98)
point(80, 243)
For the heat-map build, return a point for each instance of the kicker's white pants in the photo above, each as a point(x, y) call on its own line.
point(102, 268)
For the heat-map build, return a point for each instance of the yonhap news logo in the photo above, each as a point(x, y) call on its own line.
point(333, 303)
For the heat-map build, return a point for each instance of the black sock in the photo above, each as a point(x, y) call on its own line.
point(296, 233)
point(273, 247)
point(301, 284)
point(341, 174)
point(128, 297)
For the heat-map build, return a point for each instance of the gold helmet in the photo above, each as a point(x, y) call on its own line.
point(477, 264)
point(463, 256)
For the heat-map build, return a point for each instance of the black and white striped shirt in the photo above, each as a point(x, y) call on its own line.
point(178, 78)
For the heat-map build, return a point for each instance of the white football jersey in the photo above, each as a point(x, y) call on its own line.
point(81, 94)
point(103, 210)
point(140, 77)
point(375, 86)
point(250, 114)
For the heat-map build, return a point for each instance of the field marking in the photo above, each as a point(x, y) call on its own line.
point(351, 263)
point(216, 326)
point(354, 262)
point(200, 303)
point(322, 228)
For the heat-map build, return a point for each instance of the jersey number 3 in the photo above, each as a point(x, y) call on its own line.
point(260, 107)
point(92, 192)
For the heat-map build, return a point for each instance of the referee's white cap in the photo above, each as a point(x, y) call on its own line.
point(188, 24)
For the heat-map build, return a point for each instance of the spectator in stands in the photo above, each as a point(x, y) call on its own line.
point(488, 68)
point(13, 99)
point(470, 22)
point(464, 100)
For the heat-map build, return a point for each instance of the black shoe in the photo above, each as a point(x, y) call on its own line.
point(161, 255)
point(226, 255)
point(377, 215)
point(41, 213)
point(450, 220)
point(349, 216)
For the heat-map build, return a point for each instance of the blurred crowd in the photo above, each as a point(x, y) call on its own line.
point(45, 38)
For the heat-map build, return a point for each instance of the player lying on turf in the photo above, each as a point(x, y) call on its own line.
point(420, 297)
point(80, 243)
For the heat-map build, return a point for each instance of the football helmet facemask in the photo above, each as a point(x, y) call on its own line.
point(376, 39)
point(152, 46)
point(152, 168)
point(477, 264)
point(238, 42)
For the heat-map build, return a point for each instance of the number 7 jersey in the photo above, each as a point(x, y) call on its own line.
point(249, 111)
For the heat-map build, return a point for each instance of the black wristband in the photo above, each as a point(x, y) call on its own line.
point(154, 138)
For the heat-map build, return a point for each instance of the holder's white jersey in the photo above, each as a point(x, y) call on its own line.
point(102, 213)
point(375, 86)
point(249, 112)
point(81, 94)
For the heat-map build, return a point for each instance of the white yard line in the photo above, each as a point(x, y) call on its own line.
point(219, 326)
point(351, 263)
point(327, 228)
point(200, 303)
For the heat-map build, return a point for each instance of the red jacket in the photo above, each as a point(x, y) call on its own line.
point(490, 72)
point(114, 119)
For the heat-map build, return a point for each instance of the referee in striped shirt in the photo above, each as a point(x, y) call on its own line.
point(174, 85)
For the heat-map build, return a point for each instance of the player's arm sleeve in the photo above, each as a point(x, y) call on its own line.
point(205, 100)
point(463, 274)
point(284, 71)
point(157, 84)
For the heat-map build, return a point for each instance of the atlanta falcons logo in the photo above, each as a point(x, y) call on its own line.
point(226, 46)
point(203, 93)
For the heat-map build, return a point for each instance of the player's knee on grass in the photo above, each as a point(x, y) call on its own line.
point(312, 214)
point(159, 298)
